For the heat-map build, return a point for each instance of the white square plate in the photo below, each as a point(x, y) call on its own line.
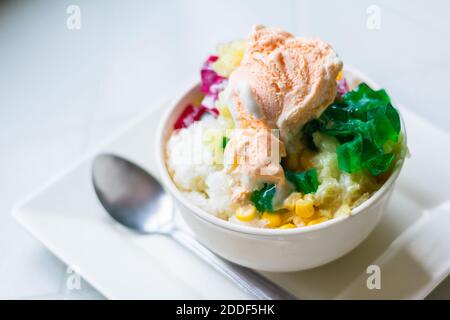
point(411, 244)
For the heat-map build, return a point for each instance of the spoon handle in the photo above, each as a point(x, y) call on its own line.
point(247, 279)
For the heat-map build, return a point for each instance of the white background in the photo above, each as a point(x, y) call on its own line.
point(62, 91)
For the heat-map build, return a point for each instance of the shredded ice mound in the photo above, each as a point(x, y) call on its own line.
point(195, 168)
point(189, 170)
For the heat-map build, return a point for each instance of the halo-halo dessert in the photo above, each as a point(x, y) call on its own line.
point(282, 136)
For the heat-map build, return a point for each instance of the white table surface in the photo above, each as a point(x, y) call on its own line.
point(61, 91)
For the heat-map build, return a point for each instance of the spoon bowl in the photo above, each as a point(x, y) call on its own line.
point(130, 195)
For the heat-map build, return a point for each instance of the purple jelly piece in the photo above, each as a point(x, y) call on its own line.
point(186, 118)
point(192, 114)
point(211, 97)
point(214, 112)
point(211, 59)
point(208, 75)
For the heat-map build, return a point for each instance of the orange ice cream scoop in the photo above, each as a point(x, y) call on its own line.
point(253, 155)
point(292, 80)
point(256, 152)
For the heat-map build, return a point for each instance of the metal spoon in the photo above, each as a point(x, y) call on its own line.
point(136, 200)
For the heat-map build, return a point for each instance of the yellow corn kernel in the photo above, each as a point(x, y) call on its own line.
point(304, 209)
point(246, 213)
point(286, 216)
point(339, 76)
point(307, 220)
point(316, 221)
point(273, 219)
point(289, 202)
point(288, 226)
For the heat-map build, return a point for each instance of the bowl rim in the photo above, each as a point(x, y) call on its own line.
point(170, 186)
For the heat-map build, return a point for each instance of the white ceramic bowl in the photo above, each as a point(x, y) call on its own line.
point(279, 250)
